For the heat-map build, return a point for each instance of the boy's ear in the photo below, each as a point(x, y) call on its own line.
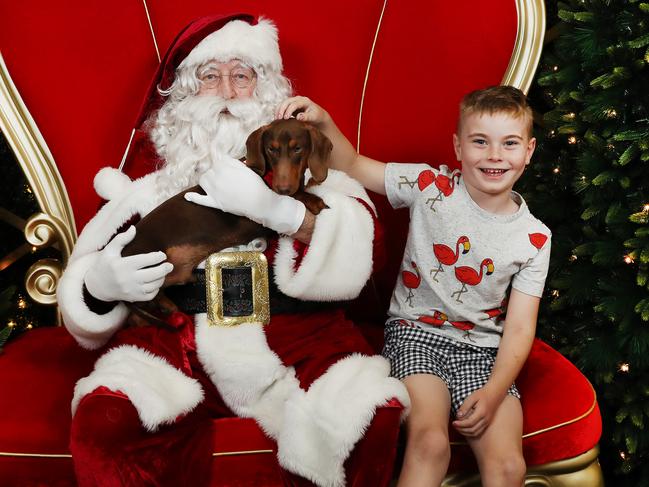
point(531, 145)
point(456, 147)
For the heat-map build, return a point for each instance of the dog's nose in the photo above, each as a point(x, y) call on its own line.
point(283, 190)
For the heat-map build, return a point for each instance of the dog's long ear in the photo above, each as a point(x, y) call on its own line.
point(320, 150)
point(255, 157)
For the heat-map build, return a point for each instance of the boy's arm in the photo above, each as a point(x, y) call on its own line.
point(518, 334)
point(368, 172)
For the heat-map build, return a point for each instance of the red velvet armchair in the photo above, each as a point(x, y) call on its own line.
point(390, 73)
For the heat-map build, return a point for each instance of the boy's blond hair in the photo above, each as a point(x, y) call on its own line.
point(496, 99)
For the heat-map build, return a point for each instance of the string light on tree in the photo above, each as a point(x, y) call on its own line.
point(572, 139)
point(628, 259)
point(556, 170)
point(645, 207)
point(11, 324)
point(624, 367)
point(610, 113)
point(22, 304)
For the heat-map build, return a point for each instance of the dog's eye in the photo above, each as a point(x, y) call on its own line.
point(297, 149)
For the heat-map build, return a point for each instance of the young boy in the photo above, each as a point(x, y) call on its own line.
point(474, 252)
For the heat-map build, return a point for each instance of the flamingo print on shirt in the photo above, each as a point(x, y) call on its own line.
point(446, 256)
point(411, 280)
point(467, 275)
point(444, 184)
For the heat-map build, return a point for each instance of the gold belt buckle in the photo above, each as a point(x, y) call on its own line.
point(237, 288)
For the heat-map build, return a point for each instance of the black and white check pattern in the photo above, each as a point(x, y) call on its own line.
point(464, 368)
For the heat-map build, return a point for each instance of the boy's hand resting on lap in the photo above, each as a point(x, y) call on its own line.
point(477, 411)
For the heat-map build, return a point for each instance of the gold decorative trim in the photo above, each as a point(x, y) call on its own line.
point(67, 455)
point(367, 76)
point(155, 41)
point(35, 455)
point(245, 452)
point(528, 45)
point(253, 286)
point(56, 223)
point(41, 280)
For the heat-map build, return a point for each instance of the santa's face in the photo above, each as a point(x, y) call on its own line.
point(231, 80)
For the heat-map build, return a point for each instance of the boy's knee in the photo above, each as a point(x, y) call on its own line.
point(430, 443)
point(510, 469)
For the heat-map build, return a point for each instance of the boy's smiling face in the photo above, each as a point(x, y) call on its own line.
point(494, 150)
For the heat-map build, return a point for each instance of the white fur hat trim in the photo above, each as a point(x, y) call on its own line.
point(254, 44)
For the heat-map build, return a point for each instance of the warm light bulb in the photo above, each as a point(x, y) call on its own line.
point(572, 139)
point(623, 455)
point(555, 68)
point(555, 170)
point(610, 113)
point(628, 259)
point(624, 367)
point(571, 115)
point(22, 304)
point(573, 258)
point(645, 207)
point(11, 324)
point(555, 293)
point(29, 326)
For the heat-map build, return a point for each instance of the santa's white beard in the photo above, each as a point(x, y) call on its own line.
point(199, 130)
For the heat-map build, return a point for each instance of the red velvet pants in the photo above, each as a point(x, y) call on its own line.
point(111, 448)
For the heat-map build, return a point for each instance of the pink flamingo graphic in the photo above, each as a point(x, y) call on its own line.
point(446, 256)
point(468, 275)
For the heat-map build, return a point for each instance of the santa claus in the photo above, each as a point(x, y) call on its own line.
point(308, 378)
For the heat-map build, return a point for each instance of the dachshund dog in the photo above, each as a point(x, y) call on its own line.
point(188, 233)
point(288, 147)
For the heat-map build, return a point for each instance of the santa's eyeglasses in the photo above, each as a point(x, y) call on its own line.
point(238, 77)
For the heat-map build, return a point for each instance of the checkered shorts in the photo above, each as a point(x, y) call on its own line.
point(464, 368)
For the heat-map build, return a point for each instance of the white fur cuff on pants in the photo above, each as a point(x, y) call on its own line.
point(159, 392)
point(323, 425)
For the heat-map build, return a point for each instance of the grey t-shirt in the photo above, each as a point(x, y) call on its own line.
point(460, 260)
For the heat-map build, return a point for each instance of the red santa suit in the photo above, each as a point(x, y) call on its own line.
point(308, 378)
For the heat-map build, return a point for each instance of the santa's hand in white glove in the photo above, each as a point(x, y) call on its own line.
point(133, 278)
point(233, 187)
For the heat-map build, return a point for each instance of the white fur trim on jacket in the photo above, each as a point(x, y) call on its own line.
point(131, 198)
point(159, 392)
point(339, 260)
point(254, 44)
point(250, 377)
point(323, 425)
point(90, 330)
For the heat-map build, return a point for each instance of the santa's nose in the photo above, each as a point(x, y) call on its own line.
point(227, 91)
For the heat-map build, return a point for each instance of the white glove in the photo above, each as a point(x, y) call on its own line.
point(117, 278)
point(233, 187)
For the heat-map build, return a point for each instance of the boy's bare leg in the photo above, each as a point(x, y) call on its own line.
point(499, 451)
point(427, 447)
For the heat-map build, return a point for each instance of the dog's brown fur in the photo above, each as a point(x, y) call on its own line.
point(188, 233)
point(288, 147)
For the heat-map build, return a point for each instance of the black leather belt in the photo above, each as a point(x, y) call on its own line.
point(191, 298)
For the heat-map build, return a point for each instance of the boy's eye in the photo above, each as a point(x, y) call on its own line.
point(479, 141)
point(511, 143)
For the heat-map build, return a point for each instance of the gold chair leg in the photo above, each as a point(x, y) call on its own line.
point(580, 471)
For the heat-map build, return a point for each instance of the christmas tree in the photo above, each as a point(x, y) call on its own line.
point(589, 183)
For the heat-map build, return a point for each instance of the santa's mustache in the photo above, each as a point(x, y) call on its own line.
point(204, 109)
